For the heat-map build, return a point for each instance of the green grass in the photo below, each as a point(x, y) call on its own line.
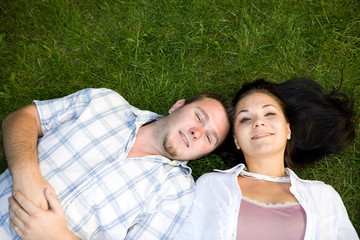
point(155, 52)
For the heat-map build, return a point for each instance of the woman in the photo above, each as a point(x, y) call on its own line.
point(261, 198)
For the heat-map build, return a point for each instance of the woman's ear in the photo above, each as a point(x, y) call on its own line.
point(288, 131)
point(236, 143)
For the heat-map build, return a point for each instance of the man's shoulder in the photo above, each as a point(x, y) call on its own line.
point(102, 92)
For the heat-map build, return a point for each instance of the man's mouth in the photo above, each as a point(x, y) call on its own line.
point(184, 139)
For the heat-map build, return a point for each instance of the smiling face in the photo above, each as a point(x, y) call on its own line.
point(260, 126)
point(194, 130)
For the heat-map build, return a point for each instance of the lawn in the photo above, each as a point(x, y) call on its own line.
point(156, 52)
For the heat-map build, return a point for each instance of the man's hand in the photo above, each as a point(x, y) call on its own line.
point(31, 222)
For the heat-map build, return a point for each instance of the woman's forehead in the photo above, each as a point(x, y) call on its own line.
point(257, 99)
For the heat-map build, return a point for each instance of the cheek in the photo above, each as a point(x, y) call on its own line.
point(239, 136)
point(201, 150)
point(283, 129)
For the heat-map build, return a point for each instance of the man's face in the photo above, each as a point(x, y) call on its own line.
point(194, 130)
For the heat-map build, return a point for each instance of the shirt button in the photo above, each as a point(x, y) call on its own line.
point(67, 203)
point(95, 180)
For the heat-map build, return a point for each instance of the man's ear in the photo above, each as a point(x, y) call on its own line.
point(178, 104)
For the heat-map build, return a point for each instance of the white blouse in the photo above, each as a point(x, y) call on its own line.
point(214, 213)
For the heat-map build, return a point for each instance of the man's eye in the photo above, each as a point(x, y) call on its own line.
point(208, 138)
point(198, 117)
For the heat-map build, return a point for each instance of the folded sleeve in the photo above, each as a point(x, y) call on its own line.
point(58, 111)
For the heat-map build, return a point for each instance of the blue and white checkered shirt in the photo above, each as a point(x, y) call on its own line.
point(87, 136)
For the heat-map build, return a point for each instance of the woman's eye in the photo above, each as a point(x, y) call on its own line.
point(270, 114)
point(244, 120)
point(208, 138)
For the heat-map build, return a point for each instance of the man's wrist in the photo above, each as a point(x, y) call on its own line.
point(25, 173)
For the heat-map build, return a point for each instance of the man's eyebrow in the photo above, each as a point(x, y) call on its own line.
point(206, 116)
point(216, 137)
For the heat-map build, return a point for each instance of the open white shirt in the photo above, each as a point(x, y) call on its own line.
point(215, 210)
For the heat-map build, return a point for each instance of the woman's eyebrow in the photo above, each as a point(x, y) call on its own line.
point(242, 111)
point(269, 105)
point(265, 106)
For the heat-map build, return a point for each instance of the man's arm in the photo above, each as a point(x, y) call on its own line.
point(21, 130)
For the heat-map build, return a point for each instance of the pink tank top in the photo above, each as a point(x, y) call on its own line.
point(261, 221)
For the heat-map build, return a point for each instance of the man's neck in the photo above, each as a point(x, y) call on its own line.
point(145, 143)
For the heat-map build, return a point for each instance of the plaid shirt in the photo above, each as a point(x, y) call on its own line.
point(87, 136)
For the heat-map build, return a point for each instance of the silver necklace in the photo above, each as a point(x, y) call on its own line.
point(250, 175)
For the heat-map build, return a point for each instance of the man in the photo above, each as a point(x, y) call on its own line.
point(112, 176)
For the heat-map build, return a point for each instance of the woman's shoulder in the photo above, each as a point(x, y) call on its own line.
point(219, 180)
point(212, 178)
point(314, 186)
point(216, 190)
point(220, 175)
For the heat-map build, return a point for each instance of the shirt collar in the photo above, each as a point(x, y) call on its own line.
point(175, 163)
point(238, 168)
point(234, 170)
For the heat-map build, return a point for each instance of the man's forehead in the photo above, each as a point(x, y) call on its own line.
point(207, 103)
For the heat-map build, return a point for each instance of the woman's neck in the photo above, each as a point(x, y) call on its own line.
point(266, 166)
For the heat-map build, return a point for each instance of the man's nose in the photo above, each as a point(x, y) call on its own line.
point(196, 132)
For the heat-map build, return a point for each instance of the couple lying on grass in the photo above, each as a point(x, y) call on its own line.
point(91, 166)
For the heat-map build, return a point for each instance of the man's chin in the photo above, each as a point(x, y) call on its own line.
point(169, 151)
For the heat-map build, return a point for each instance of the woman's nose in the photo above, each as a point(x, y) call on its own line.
point(259, 122)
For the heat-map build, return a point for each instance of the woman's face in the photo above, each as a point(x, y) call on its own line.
point(260, 126)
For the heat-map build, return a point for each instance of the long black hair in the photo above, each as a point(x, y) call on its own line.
point(322, 123)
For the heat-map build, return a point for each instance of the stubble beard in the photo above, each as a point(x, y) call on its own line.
point(168, 147)
point(163, 132)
